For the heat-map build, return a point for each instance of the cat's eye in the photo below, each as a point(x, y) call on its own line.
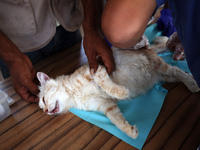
point(43, 100)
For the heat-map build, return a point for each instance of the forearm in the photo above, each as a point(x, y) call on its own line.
point(93, 10)
point(9, 52)
point(94, 42)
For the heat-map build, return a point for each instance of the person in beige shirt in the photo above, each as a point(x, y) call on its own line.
point(32, 30)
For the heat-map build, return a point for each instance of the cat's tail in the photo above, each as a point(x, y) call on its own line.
point(159, 44)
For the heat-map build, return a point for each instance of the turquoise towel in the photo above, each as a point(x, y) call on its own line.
point(141, 111)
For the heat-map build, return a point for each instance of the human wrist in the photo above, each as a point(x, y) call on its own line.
point(9, 52)
point(11, 55)
point(92, 17)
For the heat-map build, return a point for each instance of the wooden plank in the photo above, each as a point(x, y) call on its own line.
point(18, 117)
point(124, 146)
point(185, 117)
point(85, 139)
point(170, 118)
point(23, 129)
point(68, 139)
point(173, 99)
point(63, 135)
point(111, 143)
point(5, 83)
point(193, 140)
point(99, 140)
point(170, 86)
point(46, 129)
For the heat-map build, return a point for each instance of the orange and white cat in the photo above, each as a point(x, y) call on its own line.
point(136, 72)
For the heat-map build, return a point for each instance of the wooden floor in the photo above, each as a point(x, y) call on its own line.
point(177, 126)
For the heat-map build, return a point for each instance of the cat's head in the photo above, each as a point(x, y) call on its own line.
point(52, 96)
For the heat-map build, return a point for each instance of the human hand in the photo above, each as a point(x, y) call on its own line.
point(165, 23)
point(97, 49)
point(24, 79)
point(174, 44)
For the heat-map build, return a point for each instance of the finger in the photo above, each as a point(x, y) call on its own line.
point(110, 67)
point(33, 98)
point(109, 64)
point(93, 68)
point(26, 95)
point(110, 70)
point(92, 62)
point(108, 61)
point(32, 88)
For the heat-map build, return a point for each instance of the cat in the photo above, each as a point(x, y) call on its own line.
point(136, 72)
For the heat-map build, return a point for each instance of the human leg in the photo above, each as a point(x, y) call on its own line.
point(187, 22)
point(124, 22)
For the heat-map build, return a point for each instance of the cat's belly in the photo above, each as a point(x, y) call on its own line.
point(137, 83)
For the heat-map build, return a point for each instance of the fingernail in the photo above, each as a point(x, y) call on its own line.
point(92, 71)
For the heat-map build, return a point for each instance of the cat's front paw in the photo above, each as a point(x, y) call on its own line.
point(120, 92)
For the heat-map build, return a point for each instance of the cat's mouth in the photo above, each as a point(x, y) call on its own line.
point(55, 110)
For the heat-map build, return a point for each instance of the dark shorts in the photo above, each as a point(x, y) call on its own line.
point(160, 2)
point(61, 41)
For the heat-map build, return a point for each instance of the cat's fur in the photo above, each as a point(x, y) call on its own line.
point(136, 72)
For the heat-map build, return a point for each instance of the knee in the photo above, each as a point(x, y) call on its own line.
point(121, 33)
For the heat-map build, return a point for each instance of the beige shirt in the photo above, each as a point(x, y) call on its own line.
point(31, 24)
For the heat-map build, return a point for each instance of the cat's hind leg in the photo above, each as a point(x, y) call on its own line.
point(112, 111)
point(173, 73)
point(159, 44)
point(186, 78)
point(104, 81)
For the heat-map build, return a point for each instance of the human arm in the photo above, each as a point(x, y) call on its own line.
point(94, 42)
point(21, 69)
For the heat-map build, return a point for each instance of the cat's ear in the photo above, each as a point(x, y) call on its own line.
point(42, 77)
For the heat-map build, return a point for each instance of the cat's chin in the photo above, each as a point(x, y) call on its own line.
point(55, 111)
point(53, 114)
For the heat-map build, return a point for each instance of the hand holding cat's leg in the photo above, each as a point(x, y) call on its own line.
point(104, 81)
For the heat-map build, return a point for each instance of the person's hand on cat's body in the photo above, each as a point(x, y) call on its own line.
point(94, 43)
point(98, 50)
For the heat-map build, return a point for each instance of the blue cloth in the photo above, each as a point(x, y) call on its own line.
point(141, 111)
